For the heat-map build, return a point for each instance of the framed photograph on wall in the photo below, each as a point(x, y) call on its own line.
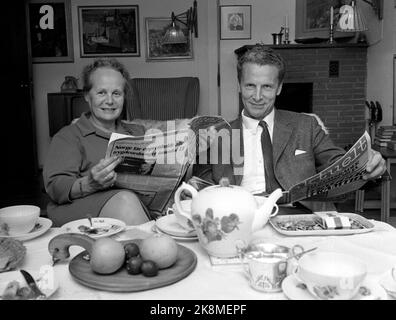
point(313, 21)
point(109, 31)
point(156, 50)
point(235, 22)
point(50, 31)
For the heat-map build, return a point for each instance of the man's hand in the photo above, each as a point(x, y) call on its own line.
point(102, 175)
point(376, 166)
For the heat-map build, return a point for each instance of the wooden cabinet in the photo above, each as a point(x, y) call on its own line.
point(63, 107)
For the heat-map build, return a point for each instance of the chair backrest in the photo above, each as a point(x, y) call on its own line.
point(164, 98)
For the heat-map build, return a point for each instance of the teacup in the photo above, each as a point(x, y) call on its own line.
point(331, 275)
point(267, 264)
point(182, 220)
point(18, 220)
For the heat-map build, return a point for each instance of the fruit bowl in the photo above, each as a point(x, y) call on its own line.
point(121, 281)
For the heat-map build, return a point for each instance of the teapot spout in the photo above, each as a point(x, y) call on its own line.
point(265, 211)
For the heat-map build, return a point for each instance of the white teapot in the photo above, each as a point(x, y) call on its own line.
point(223, 214)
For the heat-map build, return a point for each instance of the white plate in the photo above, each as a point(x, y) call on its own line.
point(45, 280)
point(42, 226)
point(157, 230)
point(107, 227)
point(367, 225)
point(389, 284)
point(292, 289)
point(168, 224)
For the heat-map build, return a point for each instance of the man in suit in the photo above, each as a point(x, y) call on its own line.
point(272, 148)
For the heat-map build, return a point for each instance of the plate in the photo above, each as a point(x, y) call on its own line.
point(293, 290)
point(168, 224)
point(155, 229)
point(366, 225)
point(389, 284)
point(45, 280)
point(121, 281)
point(104, 227)
point(42, 226)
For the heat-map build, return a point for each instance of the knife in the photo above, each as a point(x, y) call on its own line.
point(33, 286)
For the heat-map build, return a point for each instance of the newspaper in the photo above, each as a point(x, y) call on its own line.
point(341, 177)
point(154, 164)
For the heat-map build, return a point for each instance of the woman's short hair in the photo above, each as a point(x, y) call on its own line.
point(110, 63)
point(262, 55)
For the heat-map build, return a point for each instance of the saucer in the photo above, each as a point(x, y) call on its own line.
point(102, 227)
point(294, 290)
point(168, 224)
point(388, 284)
point(42, 226)
point(157, 230)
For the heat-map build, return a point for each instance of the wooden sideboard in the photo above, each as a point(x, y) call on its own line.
point(63, 107)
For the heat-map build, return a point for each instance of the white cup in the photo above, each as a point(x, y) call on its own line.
point(19, 220)
point(331, 275)
point(182, 220)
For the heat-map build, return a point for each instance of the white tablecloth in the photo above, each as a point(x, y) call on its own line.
point(206, 282)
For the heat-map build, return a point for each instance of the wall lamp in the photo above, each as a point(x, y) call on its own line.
point(189, 18)
point(352, 19)
point(378, 7)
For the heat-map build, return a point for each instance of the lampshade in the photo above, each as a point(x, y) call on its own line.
point(174, 35)
point(351, 19)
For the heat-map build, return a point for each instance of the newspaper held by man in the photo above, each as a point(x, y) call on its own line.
point(343, 176)
point(154, 164)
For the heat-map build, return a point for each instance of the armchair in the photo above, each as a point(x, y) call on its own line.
point(163, 98)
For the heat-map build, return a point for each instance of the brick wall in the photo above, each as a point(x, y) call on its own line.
point(338, 100)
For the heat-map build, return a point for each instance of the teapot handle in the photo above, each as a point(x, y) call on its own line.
point(184, 186)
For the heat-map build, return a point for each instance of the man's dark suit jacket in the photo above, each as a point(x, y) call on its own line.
point(301, 148)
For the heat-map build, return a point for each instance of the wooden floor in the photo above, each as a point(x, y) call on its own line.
point(32, 192)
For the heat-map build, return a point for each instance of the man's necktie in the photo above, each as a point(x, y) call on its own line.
point(270, 181)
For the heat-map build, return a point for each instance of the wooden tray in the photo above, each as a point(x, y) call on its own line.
point(366, 224)
point(121, 281)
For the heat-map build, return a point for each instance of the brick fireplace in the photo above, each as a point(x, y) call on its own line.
point(338, 77)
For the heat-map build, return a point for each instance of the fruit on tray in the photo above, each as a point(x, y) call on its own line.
point(159, 248)
point(107, 256)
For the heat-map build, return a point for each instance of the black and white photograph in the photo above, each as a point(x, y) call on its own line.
point(198, 158)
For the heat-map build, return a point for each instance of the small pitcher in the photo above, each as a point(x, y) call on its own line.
point(267, 264)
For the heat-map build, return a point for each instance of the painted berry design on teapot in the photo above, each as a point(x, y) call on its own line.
point(215, 229)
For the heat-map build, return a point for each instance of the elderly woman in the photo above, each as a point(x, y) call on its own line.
point(77, 178)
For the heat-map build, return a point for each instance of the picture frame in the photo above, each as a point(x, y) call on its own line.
point(313, 21)
point(155, 29)
point(50, 31)
point(235, 22)
point(109, 31)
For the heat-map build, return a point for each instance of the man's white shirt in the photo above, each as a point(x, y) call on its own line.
point(253, 169)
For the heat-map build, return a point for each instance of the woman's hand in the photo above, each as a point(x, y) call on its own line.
point(102, 175)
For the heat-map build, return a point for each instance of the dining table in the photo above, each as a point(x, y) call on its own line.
point(209, 281)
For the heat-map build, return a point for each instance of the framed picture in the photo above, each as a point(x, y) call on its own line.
point(50, 31)
point(235, 22)
point(313, 20)
point(109, 31)
point(156, 50)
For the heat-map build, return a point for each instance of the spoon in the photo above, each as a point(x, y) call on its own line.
point(298, 255)
point(90, 221)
